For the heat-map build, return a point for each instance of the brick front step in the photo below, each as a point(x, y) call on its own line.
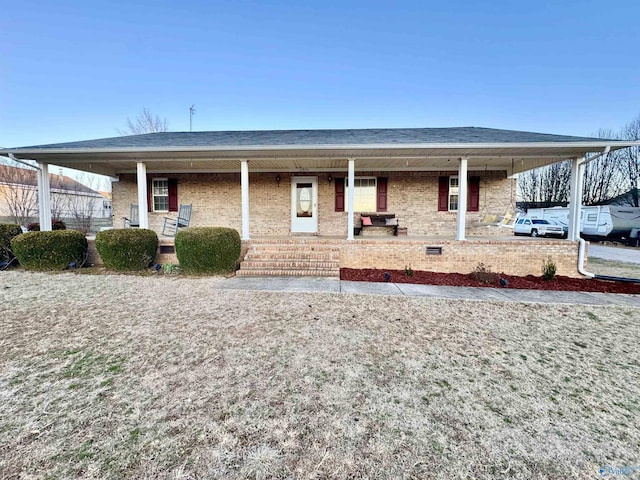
point(288, 273)
point(291, 259)
point(289, 264)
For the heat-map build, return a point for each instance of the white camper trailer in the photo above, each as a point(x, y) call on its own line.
point(606, 221)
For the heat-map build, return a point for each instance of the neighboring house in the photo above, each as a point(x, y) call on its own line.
point(106, 204)
point(272, 184)
point(70, 200)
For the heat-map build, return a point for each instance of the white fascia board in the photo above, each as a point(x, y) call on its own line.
point(392, 146)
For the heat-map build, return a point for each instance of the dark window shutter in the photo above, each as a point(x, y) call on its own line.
point(443, 194)
point(149, 194)
point(173, 195)
point(473, 203)
point(339, 182)
point(382, 194)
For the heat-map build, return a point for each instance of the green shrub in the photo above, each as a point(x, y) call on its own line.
point(54, 250)
point(549, 269)
point(408, 271)
point(483, 274)
point(127, 248)
point(208, 249)
point(55, 225)
point(7, 232)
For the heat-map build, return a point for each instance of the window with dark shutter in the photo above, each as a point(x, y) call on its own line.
point(339, 184)
point(173, 194)
point(382, 194)
point(162, 194)
point(443, 194)
point(473, 203)
point(149, 194)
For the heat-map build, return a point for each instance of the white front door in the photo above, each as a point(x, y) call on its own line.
point(304, 204)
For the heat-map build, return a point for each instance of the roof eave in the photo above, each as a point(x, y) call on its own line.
point(578, 146)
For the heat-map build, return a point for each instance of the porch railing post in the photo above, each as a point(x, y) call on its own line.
point(143, 202)
point(44, 197)
point(462, 200)
point(244, 186)
point(350, 198)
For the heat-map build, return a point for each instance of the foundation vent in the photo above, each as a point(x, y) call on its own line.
point(434, 250)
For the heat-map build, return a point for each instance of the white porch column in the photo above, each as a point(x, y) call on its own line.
point(244, 184)
point(143, 202)
point(575, 201)
point(44, 197)
point(350, 197)
point(462, 200)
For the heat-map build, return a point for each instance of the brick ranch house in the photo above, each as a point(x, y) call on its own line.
point(306, 190)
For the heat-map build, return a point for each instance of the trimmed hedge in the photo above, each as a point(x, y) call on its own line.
point(208, 249)
point(127, 249)
point(7, 232)
point(55, 225)
point(54, 250)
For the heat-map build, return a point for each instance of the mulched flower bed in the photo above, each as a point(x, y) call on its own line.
point(462, 280)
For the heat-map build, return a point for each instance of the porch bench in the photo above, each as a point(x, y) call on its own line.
point(380, 220)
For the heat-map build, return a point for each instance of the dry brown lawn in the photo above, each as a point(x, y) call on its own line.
point(613, 268)
point(114, 376)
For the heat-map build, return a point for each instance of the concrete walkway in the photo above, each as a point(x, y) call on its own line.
point(334, 285)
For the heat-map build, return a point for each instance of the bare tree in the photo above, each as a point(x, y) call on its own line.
point(19, 193)
point(603, 176)
point(83, 206)
point(615, 175)
point(545, 186)
point(630, 160)
point(145, 122)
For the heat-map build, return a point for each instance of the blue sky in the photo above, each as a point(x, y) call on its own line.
point(74, 70)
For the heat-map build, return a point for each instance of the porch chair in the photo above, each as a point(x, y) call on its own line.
point(508, 220)
point(171, 225)
point(490, 220)
point(134, 218)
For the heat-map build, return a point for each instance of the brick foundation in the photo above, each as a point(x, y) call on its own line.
point(510, 256)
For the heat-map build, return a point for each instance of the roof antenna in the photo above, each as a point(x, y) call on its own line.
point(192, 111)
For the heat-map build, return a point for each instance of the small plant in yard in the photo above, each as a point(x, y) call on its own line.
point(171, 269)
point(549, 269)
point(482, 273)
point(408, 271)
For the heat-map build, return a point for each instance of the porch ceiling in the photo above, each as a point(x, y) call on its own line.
point(512, 158)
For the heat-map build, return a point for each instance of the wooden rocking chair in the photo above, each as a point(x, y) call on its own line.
point(134, 218)
point(171, 225)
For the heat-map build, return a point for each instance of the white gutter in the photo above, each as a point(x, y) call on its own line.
point(595, 157)
point(17, 160)
point(581, 242)
point(581, 247)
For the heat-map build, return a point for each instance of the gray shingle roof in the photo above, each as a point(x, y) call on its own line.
point(373, 136)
